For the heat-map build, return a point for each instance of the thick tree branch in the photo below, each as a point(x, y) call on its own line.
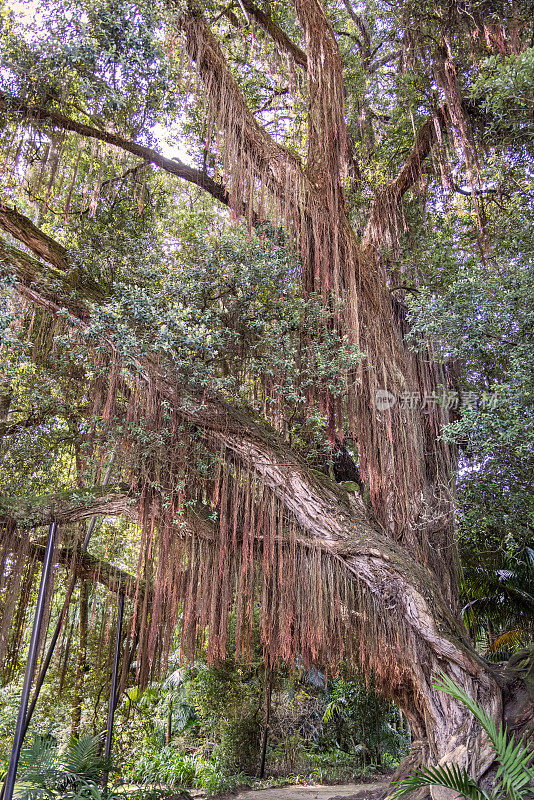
point(26, 232)
point(323, 511)
point(14, 428)
point(276, 33)
point(386, 202)
point(272, 162)
point(23, 229)
point(171, 165)
point(407, 592)
point(30, 513)
point(327, 130)
point(40, 416)
point(89, 567)
point(33, 512)
point(364, 33)
point(42, 286)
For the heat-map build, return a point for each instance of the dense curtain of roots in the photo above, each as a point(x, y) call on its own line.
point(264, 583)
point(20, 563)
point(218, 556)
point(391, 446)
point(400, 456)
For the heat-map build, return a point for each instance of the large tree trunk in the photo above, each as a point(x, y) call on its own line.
point(405, 464)
point(81, 659)
point(403, 548)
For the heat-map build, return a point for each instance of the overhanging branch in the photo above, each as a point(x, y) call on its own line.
point(271, 161)
point(327, 130)
point(276, 33)
point(172, 165)
point(42, 285)
point(26, 232)
point(29, 513)
point(387, 201)
point(34, 512)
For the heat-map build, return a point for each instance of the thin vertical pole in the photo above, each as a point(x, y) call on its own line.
point(48, 657)
point(268, 690)
point(57, 630)
point(113, 693)
point(30, 664)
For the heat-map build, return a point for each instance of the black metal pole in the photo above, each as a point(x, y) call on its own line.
point(268, 691)
point(113, 693)
point(48, 658)
point(57, 630)
point(30, 664)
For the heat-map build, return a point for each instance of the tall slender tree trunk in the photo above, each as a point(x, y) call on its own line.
point(267, 721)
point(168, 730)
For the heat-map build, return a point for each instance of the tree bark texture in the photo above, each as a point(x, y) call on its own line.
point(81, 658)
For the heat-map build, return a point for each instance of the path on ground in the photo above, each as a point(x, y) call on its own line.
point(360, 791)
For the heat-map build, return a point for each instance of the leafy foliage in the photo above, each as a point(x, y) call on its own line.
point(362, 721)
point(45, 773)
point(479, 315)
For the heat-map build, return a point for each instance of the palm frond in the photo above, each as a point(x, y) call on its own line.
point(24, 791)
point(513, 757)
point(514, 769)
point(451, 776)
point(37, 764)
point(508, 638)
point(175, 678)
point(82, 758)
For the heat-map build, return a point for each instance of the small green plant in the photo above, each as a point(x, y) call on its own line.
point(335, 766)
point(76, 772)
point(214, 779)
point(514, 777)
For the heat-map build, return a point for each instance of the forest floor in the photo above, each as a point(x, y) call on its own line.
point(366, 790)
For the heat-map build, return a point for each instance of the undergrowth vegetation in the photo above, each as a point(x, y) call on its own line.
point(202, 728)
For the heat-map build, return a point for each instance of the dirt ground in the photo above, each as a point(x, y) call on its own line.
point(354, 791)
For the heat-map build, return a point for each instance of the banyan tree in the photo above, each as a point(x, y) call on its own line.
point(233, 524)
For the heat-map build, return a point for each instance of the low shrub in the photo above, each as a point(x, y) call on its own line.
point(335, 766)
point(166, 766)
